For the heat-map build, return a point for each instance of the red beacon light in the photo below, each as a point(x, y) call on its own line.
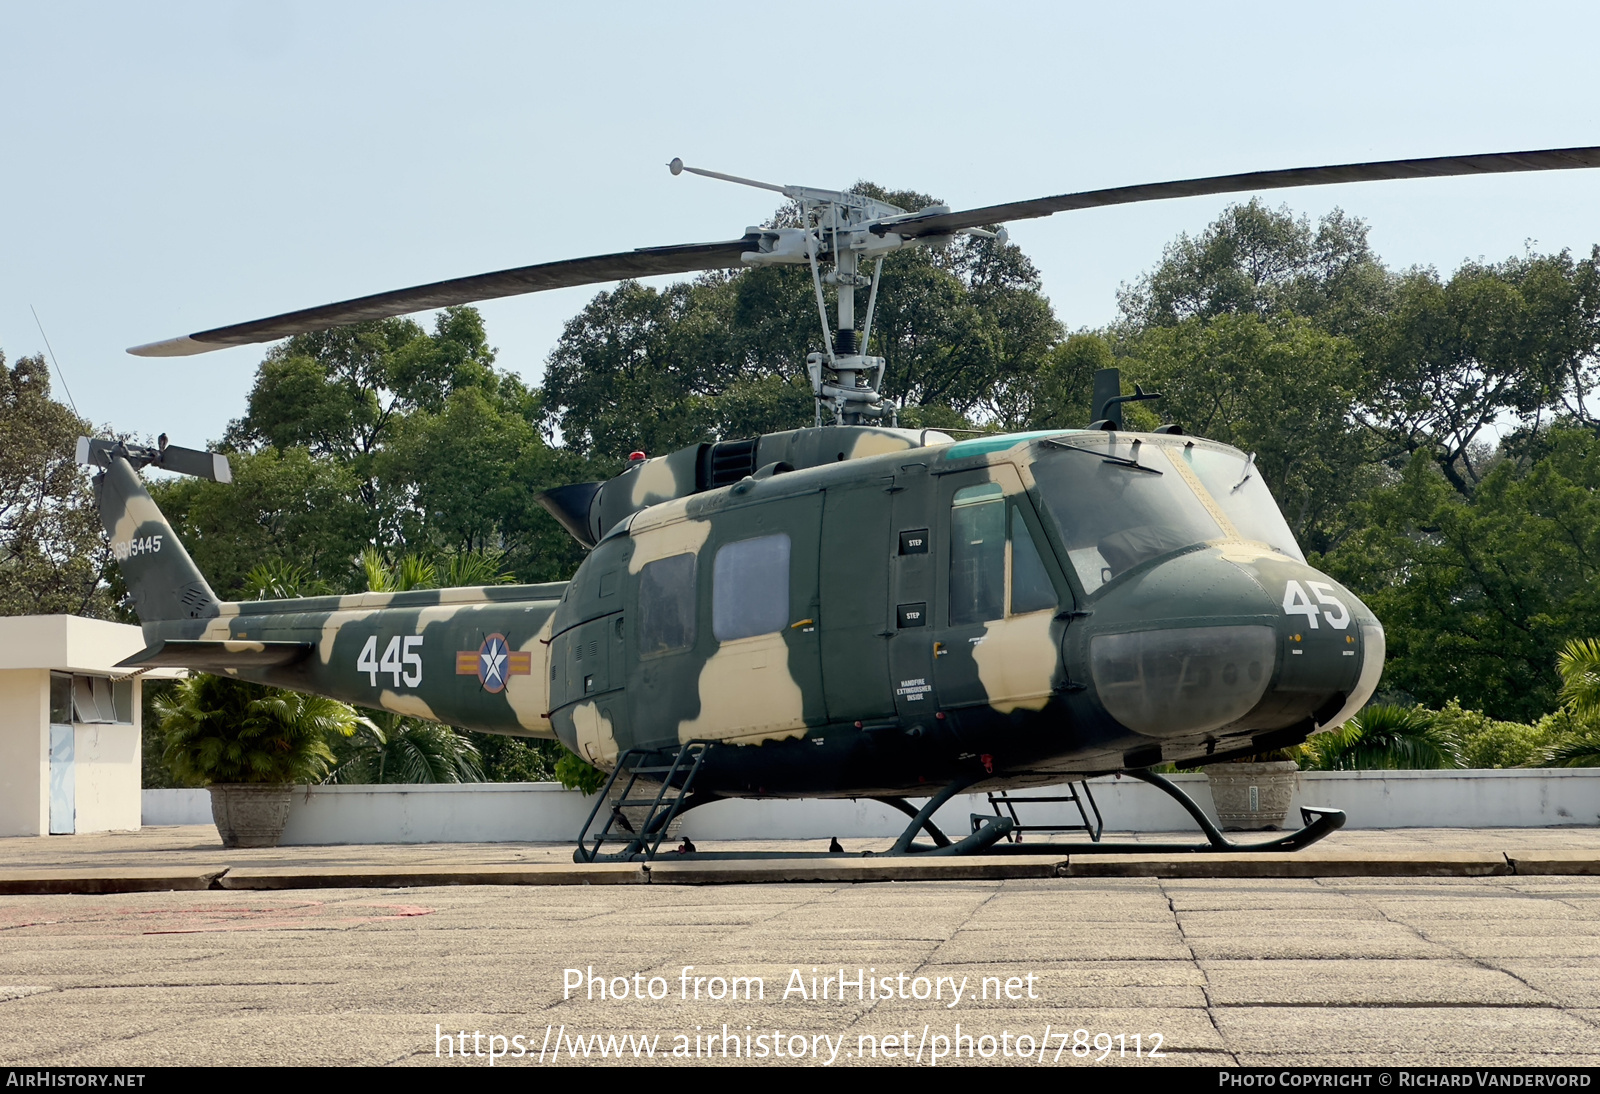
point(635, 457)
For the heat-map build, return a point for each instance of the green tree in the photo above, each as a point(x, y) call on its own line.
point(284, 508)
point(1451, 358)
point(1254, 260)
point(1279, 387)
point(53, 554)
point(1478, 594)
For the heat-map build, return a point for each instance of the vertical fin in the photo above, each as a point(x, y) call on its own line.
point(163, 579)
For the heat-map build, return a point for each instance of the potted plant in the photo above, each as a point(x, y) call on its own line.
point(1254, 792)
point(250, 744)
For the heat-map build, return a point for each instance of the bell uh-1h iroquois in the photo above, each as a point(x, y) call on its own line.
point(847, 610)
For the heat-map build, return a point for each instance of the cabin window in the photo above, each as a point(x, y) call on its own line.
point(977, 554)
point(1031, 590)
point(666, 605)
point(750, 588)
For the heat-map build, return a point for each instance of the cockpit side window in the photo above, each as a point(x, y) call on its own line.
point(979, 558)
point(1031, 590)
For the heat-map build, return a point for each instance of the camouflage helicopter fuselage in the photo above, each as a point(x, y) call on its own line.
point(847, 611)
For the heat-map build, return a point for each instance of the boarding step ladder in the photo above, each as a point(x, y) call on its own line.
point(1076, 793)
point(661, 789)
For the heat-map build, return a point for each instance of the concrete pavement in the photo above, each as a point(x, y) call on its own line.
point(1464, 971)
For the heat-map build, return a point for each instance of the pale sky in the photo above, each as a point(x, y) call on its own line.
point(172, 167)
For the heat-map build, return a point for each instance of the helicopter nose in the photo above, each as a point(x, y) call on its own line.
point(1230, 640)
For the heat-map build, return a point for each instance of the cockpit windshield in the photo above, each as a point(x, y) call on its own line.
point(1117, 503)
point(1234, 481)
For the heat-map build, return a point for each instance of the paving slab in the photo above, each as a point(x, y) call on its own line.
point(1511, 1032)
point(1356, 983)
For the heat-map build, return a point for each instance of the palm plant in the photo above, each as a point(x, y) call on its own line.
point(476, 568)
point(228, 731)
point(390, 748)
point(1579, 664)
point(276, 579)
point(1383, 738)
point(412, 571)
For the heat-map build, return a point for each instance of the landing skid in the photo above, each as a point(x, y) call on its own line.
point(988, 834)
point(1319, 822)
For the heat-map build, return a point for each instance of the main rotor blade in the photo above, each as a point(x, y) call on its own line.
point(1554, 159)
point(644, 262)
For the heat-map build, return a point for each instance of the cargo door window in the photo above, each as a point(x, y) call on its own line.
point(750, 588)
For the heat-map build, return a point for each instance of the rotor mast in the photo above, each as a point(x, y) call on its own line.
point(840, 229)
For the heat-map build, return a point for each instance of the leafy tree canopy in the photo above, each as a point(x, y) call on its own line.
point(53, 555)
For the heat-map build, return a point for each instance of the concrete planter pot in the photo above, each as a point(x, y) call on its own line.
point(250, 815)
point(1252, 796)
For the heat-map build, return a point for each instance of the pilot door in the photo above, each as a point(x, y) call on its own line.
point(996, 635)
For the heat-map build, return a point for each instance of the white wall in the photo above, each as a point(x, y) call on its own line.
point(470, 813)
point(24, 752)
point(106, 758)
point(536, 812)
point(187, 806)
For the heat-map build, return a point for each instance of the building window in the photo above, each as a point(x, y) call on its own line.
point(60, 699)
point(95, 700)
point(666, 605)
point(750, 588)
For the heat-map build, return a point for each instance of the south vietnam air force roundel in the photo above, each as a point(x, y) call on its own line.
point(494, 663)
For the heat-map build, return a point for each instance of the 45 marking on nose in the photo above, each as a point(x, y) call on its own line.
point(1296, 602)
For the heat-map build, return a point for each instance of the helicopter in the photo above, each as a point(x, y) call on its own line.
point(850, 609)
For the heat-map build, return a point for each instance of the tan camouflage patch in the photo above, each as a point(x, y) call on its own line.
point(876, 444)
point(677, 538)
point(1016, 661)
point(331, 628)
point(1246, 552)
point(220, 627)
point(529, 696)
point(747, 694)
point(358, 601)
point(655, 482)
point(596, 741)
point(412, 706)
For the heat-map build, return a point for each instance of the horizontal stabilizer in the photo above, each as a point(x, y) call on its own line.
point(217, 657)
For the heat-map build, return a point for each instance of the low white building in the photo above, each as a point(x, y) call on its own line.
point(69, 726)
